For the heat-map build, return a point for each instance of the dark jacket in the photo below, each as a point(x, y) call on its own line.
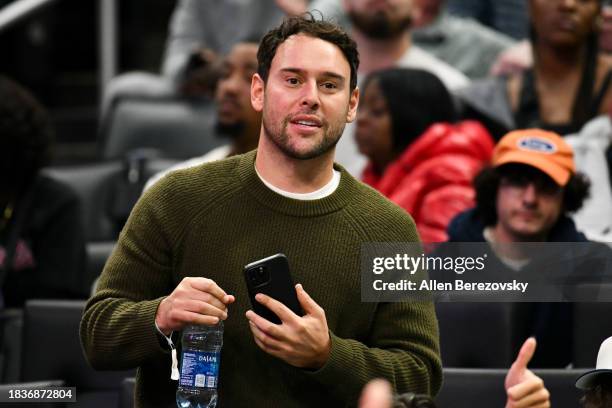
point(550, 323)
point(49, 260)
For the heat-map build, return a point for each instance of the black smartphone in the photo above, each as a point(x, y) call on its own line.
point(271, 277)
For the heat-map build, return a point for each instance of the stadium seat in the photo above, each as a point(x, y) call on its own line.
point(11, 326)
point(52, 351)
point(95, 186)
point(97, 254)
point(127, 393)
point(479, 334)
point(592, 323)
point(179, 129)
point(109, 190)
point(469, 388)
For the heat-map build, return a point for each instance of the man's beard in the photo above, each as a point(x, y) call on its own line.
point(230, 130)
point(378, 25)
point(331, 136)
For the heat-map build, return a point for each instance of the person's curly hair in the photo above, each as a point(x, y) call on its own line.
point(600, 396)
point(26, 136)
point(486, 184)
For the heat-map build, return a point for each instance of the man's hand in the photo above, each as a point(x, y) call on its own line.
point(194, 301)
point(524, 389)
point(300, 341)
point(376, 394)
point(513, 60)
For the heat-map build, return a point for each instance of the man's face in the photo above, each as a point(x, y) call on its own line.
point(529, 203)
point(233, 94)
point(380, 19)
point(306, 100)
point(564, 22)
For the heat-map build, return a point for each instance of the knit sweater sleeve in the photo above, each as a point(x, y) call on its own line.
point(118, 325)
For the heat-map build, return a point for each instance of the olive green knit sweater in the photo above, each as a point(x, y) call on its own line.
point(213, 219)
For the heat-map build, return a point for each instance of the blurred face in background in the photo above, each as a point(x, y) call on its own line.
point(233, 94)
point(374, 127)
point(564, 23)
point(380, 19)
point(529, 203)
point(426, 11)
point(605, 35)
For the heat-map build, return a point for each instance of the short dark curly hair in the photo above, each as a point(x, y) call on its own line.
point(26, 136)
point(486, 183)
point(599, 395)
point(307, 24)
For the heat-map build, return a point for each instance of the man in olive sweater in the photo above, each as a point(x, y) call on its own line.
point(179, 259)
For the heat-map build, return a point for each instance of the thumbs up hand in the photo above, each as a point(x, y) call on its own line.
point(524, 389)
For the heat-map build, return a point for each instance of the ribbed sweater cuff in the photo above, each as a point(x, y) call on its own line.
point(335, 373)
point(153, 341)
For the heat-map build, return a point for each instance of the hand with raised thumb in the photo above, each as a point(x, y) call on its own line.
point(524, 389)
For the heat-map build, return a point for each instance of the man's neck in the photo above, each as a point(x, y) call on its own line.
point(503, 235)
point(503, 239)
point(292, 175)
point(377, 54)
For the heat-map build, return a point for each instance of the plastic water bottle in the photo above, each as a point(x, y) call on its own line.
point(200, 359)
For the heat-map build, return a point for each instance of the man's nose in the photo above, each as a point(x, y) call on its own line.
point(530, 193)
point(310, 95)
point(230, 84)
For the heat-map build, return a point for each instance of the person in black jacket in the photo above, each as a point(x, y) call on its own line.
point(42, 252)
point(527, 195)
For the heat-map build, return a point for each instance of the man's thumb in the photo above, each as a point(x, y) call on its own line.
point(519, 366)
point(526, 353)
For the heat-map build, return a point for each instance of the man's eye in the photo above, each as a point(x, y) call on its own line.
point(329, 85)
point(293, 81)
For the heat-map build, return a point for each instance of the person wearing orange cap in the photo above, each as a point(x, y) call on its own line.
point(527, 195)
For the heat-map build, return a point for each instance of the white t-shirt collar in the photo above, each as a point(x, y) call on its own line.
point(323, 192)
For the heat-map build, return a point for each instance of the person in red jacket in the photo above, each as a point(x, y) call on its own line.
point(417, 157)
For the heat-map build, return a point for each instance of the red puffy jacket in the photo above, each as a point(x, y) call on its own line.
point(432, 179)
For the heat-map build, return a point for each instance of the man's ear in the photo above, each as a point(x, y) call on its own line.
point(258, 88)
point(353, 103)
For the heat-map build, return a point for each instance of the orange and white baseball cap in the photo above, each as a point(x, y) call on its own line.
point(546, 151)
